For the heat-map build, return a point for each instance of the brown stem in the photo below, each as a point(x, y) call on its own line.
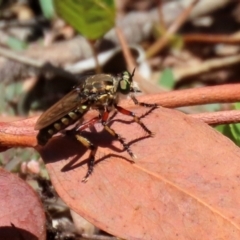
point(162, 42)
point(98, 67)
point(131, 63)
point(218, 118)
point(160, 13)
point(211, 38)
point(18, 57)
point(216, 94)
point(206, 66)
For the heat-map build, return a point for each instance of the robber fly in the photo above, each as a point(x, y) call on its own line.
point(100, 92)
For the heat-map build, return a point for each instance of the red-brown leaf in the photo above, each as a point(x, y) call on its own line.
point(183, 185)
point(21, 213)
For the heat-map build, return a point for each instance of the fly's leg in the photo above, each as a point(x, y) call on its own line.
point(88, 145)
point(114, 134)
point(148, 105)
point(135, 118)
point(91, 159)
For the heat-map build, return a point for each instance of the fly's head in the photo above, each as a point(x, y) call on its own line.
point(125, 84)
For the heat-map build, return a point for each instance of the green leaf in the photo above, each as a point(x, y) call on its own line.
point(47, 8)
point(237, 105)
point(232, 131)
point(235, 128)
point(167, 79)
point(16, 44)
point(91, 18)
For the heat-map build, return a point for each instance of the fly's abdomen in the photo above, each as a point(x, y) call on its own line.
point(46, 133)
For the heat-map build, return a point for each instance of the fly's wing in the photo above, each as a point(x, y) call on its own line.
point(69, 102)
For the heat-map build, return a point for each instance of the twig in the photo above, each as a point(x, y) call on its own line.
point(145, 86)
point(131, 63)
point(216, 94)
point(16, 56)
point(160, 13)
point(95, 55)
point(207, 66)
point(162, 42)
point(210, 38)
point(218, 118)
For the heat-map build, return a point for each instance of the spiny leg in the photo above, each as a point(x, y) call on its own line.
point(88, 145)
point(114, 134)
point(136, 119)
point(149, 105)
point(147, 113)
point(91, 159)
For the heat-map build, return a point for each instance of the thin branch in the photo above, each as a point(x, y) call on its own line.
point(145, 86)
point(162, 42)
point(16, 56)
point(207, 66)
point(95, 56)
point(160, 13)
point(212, 38)
point(131, 63)
point(215, 94)
point(218, 118)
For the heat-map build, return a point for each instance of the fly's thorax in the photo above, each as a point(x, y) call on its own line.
point(103, 100)
point(100, 83)
point(100, 90)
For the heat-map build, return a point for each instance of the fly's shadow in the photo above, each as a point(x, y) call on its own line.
point(107, 142)
point(63, 147)
point(73, 163)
